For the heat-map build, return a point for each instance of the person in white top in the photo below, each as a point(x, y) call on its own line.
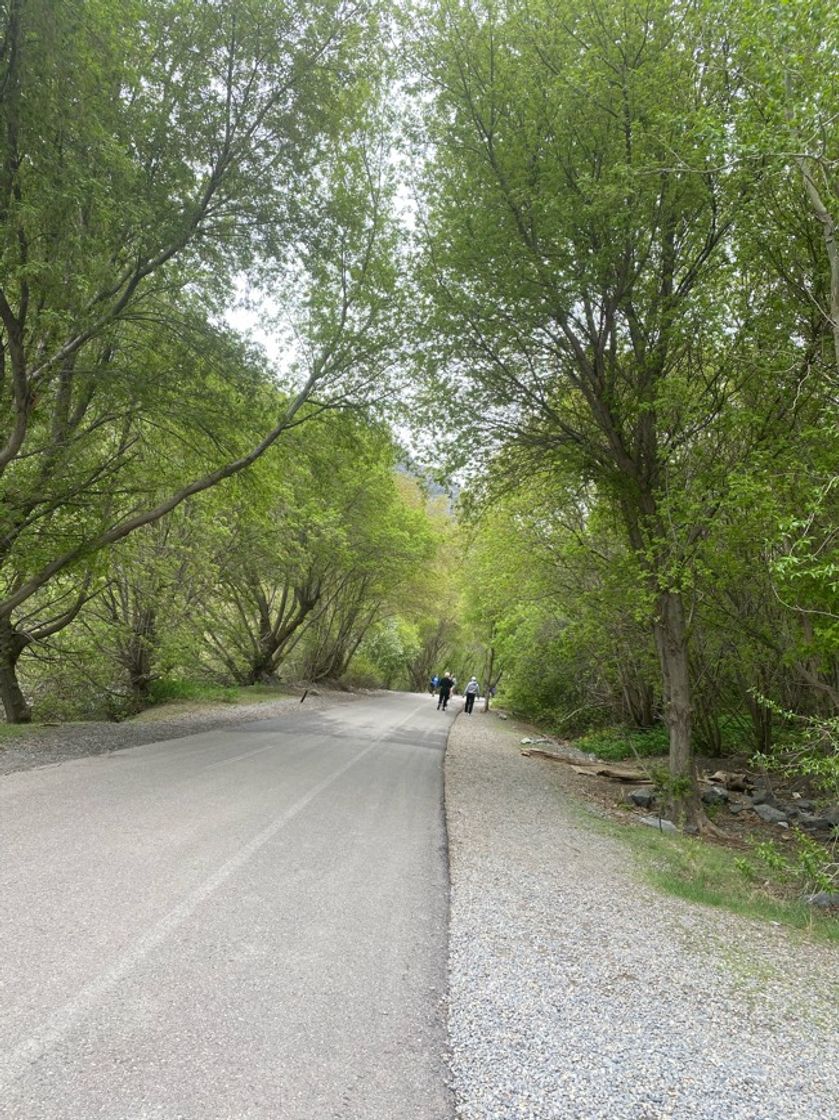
point(471, 691)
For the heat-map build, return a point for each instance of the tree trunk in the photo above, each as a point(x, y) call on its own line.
point(262, 668)
point(672, 645)
point(762, 723)
point(11, 647)
point(491, 680)
point(138, 656)
point(639, 702)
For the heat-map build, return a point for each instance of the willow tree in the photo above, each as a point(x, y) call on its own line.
point(313, 545)
point(580, 197)
point(149, 153)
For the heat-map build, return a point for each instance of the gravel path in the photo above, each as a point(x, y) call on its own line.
point(577, 992)
point(49, 745)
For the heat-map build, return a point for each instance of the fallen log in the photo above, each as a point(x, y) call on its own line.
point(615, 773)
point(737, 782)
point(593, 769)
point(539, 752)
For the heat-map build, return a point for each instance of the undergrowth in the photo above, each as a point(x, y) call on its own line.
point(169, 691)
point(764, 883)
point(166, 690)
point(615, 743)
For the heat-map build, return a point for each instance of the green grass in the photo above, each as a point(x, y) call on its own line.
point(16, 730)
point(248, 693)
point(613, 744)
point(167, 691)
point(708, 874)
point(174, 691)
point(765, 883)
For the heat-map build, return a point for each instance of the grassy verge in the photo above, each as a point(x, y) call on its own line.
point(765, 881)
point(760, 883)
point(202, 692)
point(11, 731)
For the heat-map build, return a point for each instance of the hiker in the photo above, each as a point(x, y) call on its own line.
point(471, 691)
point(445, 690)
point(435, 680)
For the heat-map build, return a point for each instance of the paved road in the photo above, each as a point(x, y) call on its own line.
point(247, 924)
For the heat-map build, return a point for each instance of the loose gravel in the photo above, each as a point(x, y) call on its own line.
point(577, 992)
point(46, 746)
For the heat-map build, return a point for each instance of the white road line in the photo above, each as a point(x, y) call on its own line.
point(14, 1063)
point(239, 757)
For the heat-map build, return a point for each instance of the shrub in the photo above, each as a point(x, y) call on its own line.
point(166, 690)
point(616, 743)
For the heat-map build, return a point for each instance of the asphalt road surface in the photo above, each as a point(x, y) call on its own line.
point(241, 924)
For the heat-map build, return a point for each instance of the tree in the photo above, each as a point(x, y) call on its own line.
point(388, 545)
point(147, 154)
point(577, 221)
point(313, 554)
point(557, 602)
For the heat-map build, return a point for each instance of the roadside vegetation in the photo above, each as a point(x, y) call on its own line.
point(761, 881)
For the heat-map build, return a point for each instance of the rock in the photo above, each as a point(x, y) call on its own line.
point(716, 795)
point(526, 740)
point(643, 798)
point(770, 814)
point(659, 823)
point(814, 823)
point(831, 814)
point(736, 807)
point(762, 797)
point(824, 900)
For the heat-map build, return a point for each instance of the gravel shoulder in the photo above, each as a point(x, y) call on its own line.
point(48, 746)
point(577, 992)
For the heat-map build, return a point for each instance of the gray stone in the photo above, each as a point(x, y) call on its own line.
point(762, 797)
point(716, 795)
point(736, 807)
point(824, 900)
point(831, 814)
point(814, 823)
point(770, 814)
point(659, 823)
point(643, 798)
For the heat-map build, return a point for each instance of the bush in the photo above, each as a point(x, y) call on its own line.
point(363, 672)
point(167, 690)
point(616, 743)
